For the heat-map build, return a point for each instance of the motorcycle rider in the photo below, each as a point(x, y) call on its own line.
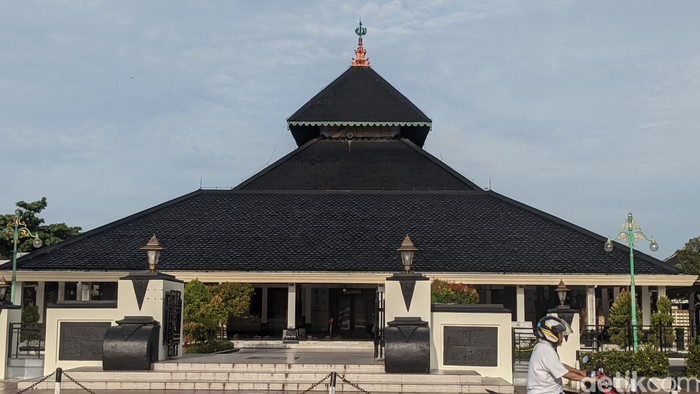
point(545, 372)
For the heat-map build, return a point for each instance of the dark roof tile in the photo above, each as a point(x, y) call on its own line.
point(463, 232)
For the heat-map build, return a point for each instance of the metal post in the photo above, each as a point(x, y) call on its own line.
point(633, 293)
point(633, 380)
point(57, 386)
point(15, 239)
point(674, 386)
point(631, 231)
point(331, 386)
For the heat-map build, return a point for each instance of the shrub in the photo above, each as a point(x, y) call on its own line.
point(662, 322)
point(620, 318)
point(692, 361)
point(31, 329)
point(443, 292)
point(648, 362)
point(210, 346)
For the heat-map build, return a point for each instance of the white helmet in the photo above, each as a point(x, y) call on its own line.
point(549, 328)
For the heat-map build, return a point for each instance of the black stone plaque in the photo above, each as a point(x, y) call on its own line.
point(471, 346)
point(82, 341)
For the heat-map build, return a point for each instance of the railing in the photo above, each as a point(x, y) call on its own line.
point(665, 338)
point(524, 340)
point(27, 340)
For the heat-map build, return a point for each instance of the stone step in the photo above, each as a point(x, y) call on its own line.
point(8, 385)
point(230, 367)
point(275, 378)
point(277, 344)
point(311, 376)
point(484, 387)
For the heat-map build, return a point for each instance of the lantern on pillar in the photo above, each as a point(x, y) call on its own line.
point(153, 250)
point(561, 290)
point(407, 250)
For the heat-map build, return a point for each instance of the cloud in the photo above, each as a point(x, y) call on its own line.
point(583, 110)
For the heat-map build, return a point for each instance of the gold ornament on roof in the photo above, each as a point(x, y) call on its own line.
point(360, 52)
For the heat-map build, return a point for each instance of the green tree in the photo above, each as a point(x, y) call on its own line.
point(662, 322)
point(620, 318)
point(207, 308)
point(689, 257)
point(50, 234)
point(201, 316)
point(235, 297)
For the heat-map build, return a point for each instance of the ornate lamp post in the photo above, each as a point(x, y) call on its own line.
point(153, 250)
point(632, 232)
point(561, 290)
point(18, 229)
point(407, 250)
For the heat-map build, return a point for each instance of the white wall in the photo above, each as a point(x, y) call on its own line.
point(54, 318)
point(501, 321)
point(7, 316)
point(152, 305)
point(395, 305)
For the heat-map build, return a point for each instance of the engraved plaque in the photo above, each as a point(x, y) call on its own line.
point(82, 341)
point(471, 346)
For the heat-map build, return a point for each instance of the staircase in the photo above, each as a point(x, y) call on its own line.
point(289, 370)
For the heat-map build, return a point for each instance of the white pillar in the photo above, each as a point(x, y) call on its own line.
point(263, 313)
point(307, 304)
point(40, 300)
point(61, 292)
point(520, 302)
point(646, 306)
point(616, 293)
point(485, 297)
point(19, 293)
point(606, 303)
point(661, 291)
point(590, 306)
point(291, 305)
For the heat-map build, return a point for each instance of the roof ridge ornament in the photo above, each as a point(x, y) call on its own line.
point(359, 60)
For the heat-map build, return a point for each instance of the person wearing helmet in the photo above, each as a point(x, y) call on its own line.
point(545, 372)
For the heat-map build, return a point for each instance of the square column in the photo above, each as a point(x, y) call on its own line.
point(591, 312)
point(291, 334)
point(40, 295)
point(520, 302)
point(605, 300)
point(646, 306)
point(661, 291)
point(155, 296)
point(308, 290)
point(263, 312)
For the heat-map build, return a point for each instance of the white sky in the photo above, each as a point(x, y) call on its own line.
point(583, 109)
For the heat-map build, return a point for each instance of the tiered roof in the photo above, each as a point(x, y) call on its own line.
point(343, 205)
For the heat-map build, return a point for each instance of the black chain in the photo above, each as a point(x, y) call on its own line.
point(342, 377)
point(78, 383)
point(316, 384)
point(36, 383)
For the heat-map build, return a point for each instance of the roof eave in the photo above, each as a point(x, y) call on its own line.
point(356, 123)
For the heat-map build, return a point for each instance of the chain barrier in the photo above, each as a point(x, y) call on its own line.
point(78, 383)
point(355, 385)
point(313, 386)
point(36, 383)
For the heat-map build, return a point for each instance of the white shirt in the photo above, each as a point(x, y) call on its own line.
point(545, 371)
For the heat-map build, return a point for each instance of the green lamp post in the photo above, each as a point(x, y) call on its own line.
point(18, 229)
point(632, 232)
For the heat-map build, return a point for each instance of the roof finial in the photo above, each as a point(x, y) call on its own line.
point(360, 52)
